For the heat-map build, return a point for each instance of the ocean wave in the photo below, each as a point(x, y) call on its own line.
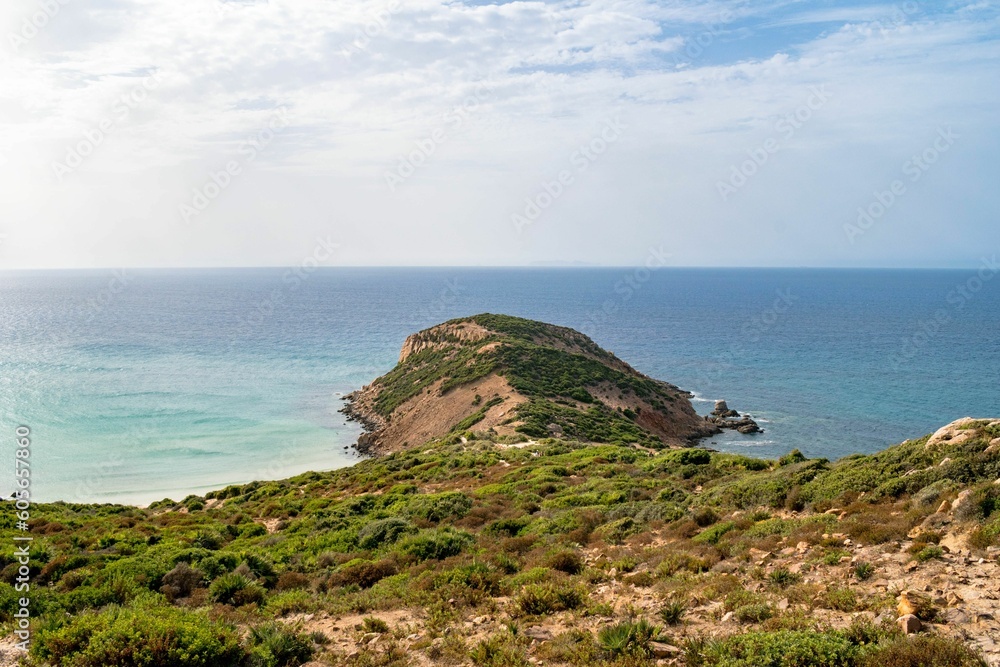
point(695, 396)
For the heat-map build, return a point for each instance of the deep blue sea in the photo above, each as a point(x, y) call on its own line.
point(149, 384)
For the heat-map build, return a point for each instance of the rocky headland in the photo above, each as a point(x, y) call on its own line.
point(511, 377)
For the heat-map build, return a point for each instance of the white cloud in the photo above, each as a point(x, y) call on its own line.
point(363, 81)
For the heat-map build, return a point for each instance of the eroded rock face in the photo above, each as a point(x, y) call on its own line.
point(440, 337)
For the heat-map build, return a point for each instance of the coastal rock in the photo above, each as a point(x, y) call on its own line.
point(723, 411)
point(725, 417)
point(745, 425)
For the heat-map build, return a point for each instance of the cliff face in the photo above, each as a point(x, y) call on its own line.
point(512, 377)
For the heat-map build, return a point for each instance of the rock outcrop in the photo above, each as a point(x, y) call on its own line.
point(724, 417)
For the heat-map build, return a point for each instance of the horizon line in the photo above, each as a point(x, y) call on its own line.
point(488, 267)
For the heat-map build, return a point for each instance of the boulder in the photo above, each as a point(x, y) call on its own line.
point(954, 433)
point(661, 650)
point(539, 633)
point(725, 567)
point(917, 604)
point(909, 624)
point(963, 497)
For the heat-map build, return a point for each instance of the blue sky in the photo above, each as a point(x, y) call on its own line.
point(720, 133)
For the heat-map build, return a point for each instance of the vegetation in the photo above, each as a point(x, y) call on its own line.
point(463, 529)
point(370, 538)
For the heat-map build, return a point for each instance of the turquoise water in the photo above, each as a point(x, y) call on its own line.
point(162, 383)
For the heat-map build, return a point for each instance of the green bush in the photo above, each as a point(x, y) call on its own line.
point(260, 567)
point(508, 527)
point(864, 571)
point(673, 612)
point(372, 624)
point(207, 540)
point(252, 529)
point(783, 577)
point(840, 598)
point(440, 506)
point(923, 651)
point(929, 553)
point(436, 545)
point(794, 456)
point(292, 602)
point(536, 600)
point(570, 562)
point(748, 607)
point(156, 637)
point(504, 650)
point(236, 589)
point(698, 457)
point(364, 574)
point(627, 638)
point(383, 532)
point(786, 648)
point(714, 534)
point(274, 645)
point(615, 532)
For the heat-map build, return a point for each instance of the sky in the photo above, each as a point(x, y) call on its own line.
point(171, 133)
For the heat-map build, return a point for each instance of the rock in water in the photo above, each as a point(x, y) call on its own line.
point(724, 417)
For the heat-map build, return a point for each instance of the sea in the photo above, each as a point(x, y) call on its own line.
point(139, 385)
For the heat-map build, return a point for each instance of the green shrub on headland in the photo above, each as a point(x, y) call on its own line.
point(148, 637)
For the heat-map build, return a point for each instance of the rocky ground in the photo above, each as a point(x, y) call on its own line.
point(960, 591)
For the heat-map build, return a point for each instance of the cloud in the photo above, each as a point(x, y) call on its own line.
point(365, 84)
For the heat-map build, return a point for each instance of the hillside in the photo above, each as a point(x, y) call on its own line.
point(516, 378)
point(489, 550)
point(554, 553)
